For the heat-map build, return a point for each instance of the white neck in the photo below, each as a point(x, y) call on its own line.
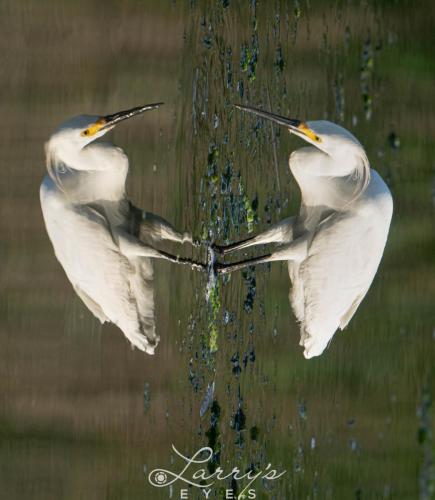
point(326, 181)
point(95, 172)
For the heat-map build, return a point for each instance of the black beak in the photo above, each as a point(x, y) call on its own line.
point(112, 120)
point(298, 127)
point(280, 120)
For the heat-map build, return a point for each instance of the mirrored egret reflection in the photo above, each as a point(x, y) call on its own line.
point(103, 242)
point(335, 244)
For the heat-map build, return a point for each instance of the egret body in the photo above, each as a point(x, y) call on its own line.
point(335, 244)
point(95, 230)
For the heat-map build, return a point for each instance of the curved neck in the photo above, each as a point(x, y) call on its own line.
point(329, 182)
point(96, 172)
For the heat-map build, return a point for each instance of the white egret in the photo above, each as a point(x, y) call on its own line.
point(95, 230)
point(335, 244)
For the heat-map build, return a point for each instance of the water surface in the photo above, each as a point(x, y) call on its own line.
point(84, 416)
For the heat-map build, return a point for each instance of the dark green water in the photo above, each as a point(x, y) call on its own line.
point(82, 416)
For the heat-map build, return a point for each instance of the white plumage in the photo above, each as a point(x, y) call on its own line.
point(95, 230)
point(341, 262)
point(335, 244)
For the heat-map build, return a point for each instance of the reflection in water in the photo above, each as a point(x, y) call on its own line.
point(336, 243)
point(81, 417)
point(97, 233)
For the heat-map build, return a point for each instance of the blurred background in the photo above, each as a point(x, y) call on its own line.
point(82, 415)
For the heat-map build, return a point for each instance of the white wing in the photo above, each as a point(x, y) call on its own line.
point(91, 304)
point(109, 284)
point(331, 282)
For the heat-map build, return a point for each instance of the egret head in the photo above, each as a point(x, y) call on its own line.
point(65, 147)
point(79, 131)
point(339, 153)
point(326, 136)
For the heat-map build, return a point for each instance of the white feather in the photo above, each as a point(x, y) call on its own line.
point(342, 260)
point(334, 246)
point(112, 286)
point(95, 230)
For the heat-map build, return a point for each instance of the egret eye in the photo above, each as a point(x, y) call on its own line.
point(94, 127)
point(308, 132)
point(313, 136)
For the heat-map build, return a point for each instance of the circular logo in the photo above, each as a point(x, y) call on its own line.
point(160, 477)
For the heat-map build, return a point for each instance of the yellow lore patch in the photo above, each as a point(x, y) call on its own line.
point(95, 127)
point(308, 132)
